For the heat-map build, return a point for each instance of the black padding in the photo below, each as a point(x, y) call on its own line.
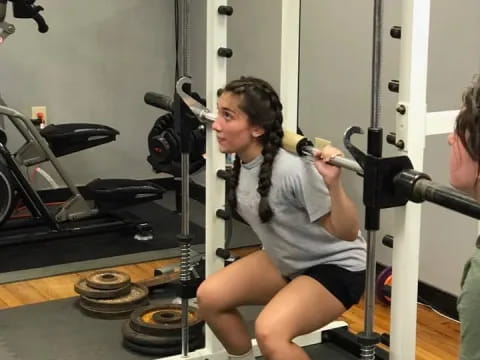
point(69, 138)
point(114, 193)
point(123, 188)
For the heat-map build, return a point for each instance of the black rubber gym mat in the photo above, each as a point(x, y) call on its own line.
point(58, 330)
point(166, 224)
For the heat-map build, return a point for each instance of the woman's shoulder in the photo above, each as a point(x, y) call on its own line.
point(289, 165)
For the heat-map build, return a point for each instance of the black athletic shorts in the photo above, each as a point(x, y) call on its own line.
point(347, 286)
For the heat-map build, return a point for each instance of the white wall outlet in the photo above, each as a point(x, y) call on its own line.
point(40, 112)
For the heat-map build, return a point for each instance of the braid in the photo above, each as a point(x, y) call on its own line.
point(263, 107)
point(232, 193)
point(270, 150)
point(272, 143)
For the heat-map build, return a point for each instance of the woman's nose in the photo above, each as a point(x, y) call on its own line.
point(216, 125)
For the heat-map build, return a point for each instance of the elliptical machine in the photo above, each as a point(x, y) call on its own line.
point(90, 211)
point(94, 210)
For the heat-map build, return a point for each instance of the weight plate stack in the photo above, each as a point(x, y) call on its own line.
point(116, 307)
point(156, 330)
point(82, 288)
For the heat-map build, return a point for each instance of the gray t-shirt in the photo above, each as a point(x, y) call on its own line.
point(294, 238)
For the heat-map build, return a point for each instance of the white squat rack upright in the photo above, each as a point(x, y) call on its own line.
point(216, 77)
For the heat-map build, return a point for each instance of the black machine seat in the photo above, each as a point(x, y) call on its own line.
point(69, 138)
point(111, 194)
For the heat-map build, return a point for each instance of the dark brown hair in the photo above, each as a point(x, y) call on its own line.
point(467, 124)
point(262, 105)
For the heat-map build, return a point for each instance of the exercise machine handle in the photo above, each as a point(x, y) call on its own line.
point(41, 23)
point(160, 101)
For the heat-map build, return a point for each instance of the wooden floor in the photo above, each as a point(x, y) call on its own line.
point(437, 337)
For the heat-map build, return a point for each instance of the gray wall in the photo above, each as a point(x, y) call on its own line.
point(94, 65)
point(198, 45)
point(253, 35)
point(335, 93)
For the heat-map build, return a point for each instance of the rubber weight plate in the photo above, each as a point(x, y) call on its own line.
point(104, 314)
point(82, 288)
point(108, 279)
point(148, 340)
point(162, 351)
point(138, 296)
point(380, 283)
point(164, 320)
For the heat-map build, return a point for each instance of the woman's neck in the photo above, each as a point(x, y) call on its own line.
point(250, 153)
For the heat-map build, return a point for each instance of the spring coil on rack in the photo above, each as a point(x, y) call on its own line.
point(367, 352)
point(185, 262)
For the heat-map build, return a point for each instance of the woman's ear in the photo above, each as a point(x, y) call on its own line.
point(257, 131)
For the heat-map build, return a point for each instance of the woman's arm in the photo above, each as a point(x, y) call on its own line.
point(342, 221)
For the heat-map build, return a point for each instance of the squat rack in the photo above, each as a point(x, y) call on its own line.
point(413, 124)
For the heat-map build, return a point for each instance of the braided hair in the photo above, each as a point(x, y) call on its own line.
point(263, 107)
point(467, 124)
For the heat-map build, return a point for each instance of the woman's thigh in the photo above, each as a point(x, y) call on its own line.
point(302, 306)
point(252, 280)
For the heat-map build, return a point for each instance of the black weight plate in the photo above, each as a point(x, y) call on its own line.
point(148, 340)
point(108, 279)
point(137, 296)
point(82, 288)
point(103, 314)
point(162, 350)
point(156, 320)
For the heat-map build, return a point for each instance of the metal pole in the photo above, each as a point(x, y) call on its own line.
point(368, 346)
point(184, 68)
point(376, 63)
point(184, 38)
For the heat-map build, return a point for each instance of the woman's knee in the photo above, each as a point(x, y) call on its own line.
point(270, 336)
point(209, 298)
